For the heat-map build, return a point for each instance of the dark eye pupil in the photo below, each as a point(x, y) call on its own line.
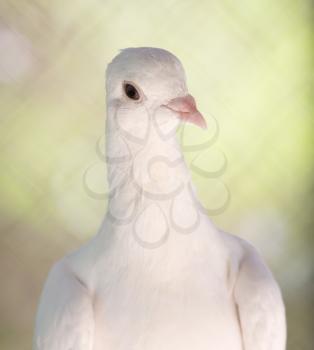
point(131, 92)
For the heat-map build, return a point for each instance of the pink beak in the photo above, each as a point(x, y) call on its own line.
point(186, 109)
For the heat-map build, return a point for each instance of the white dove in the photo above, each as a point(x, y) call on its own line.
point(158, 275)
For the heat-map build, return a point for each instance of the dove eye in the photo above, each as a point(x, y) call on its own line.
point(131, 91)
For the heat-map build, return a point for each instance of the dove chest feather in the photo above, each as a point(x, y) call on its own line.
point(136, 311)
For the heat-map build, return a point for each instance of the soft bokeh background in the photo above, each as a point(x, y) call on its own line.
point(249, 66)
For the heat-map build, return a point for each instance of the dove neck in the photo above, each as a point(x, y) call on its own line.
point(139, 173)
point(150, 197)
point(154, 166)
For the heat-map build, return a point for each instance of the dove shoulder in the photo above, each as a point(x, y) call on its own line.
point(257, 297)
point(65, 315)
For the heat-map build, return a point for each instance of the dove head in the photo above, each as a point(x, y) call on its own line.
point(146, 87)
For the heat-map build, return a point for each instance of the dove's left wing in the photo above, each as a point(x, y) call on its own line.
point(65, 318)
point(260, 306)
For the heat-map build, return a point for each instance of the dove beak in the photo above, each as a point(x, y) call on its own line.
point(185, 108)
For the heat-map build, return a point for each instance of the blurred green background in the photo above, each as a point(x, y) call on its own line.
point(249, 65)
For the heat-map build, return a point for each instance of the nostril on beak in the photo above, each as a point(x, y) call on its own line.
point(186, 110)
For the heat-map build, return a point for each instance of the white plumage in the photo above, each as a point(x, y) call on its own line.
point(158, 275)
